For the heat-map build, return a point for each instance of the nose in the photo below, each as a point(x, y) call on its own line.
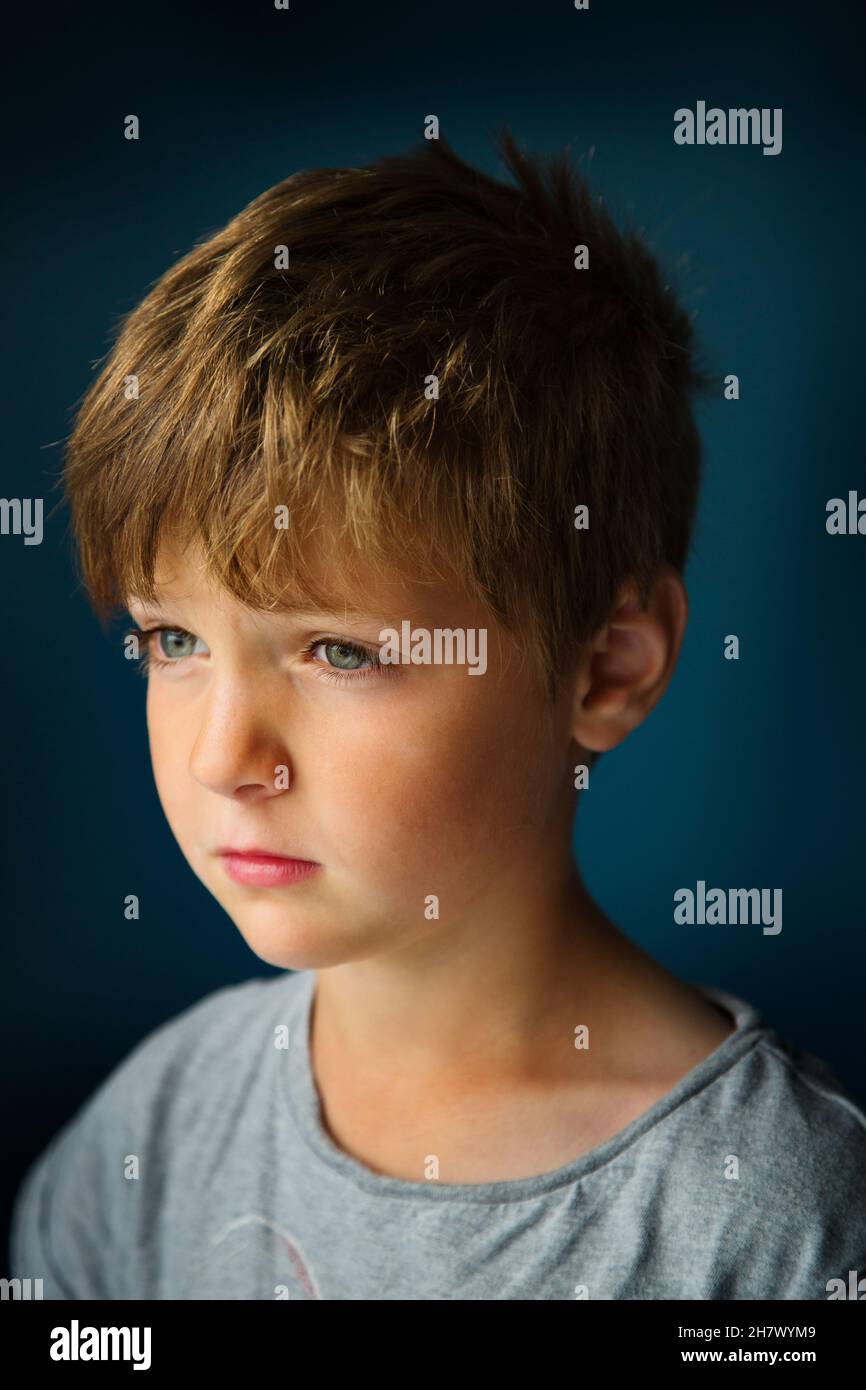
point(236, 752)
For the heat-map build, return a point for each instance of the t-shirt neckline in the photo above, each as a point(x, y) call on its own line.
point(302, 1097)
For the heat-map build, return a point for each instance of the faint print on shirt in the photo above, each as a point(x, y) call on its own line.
point(269, 1243)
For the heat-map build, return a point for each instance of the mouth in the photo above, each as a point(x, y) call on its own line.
point(260, 869)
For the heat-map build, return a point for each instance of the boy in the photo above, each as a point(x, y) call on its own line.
point(412, 409)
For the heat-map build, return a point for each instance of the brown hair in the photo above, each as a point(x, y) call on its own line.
point(309, 387)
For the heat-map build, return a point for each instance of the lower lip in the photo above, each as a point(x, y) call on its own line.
point(266, 870)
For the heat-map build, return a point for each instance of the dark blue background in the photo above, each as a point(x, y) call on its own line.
point(749, 773)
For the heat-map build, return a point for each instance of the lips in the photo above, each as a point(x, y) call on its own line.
point(261, 869)
point(256, 852)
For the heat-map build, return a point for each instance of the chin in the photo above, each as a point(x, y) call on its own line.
point(300, 943)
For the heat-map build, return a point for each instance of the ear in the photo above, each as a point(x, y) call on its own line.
point(629, 663)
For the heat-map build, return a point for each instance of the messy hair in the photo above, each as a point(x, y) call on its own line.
point(408, 362)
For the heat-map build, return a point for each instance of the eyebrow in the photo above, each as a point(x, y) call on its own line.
point(346, 611)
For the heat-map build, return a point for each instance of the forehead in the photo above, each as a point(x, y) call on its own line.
point(351, 588)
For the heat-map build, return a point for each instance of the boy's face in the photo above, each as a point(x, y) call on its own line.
point(400, 784)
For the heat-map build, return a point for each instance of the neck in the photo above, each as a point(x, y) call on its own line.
point(491, 999)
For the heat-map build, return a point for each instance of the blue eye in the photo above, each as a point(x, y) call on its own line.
point(345, 653)
point(340, 655)
point(170, 638)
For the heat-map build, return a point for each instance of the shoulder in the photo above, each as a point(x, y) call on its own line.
point(195, 1057)
point(784, 1144)
point(796, 1109)
point(73, 1214)
point(199, 1050)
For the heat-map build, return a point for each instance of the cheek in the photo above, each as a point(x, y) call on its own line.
point(169, 757)
point(435, 790)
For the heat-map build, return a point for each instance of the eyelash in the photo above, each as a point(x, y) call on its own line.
point(150, 660)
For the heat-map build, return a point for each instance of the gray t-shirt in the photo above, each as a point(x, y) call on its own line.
point(200, 1169)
